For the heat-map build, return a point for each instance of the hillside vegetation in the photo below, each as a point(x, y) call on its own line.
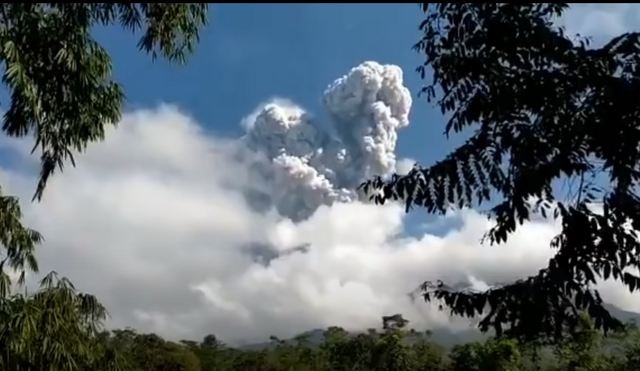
point(393, 347)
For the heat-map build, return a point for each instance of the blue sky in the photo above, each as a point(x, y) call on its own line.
point(252, 52)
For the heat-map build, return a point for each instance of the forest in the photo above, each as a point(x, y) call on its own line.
point(394, 346)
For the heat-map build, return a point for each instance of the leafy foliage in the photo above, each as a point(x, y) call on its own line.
point(59, 77)
point(61, 93)
point(61, 89)
point(392, 348)
point(149, 351)
point(54, 329)
point(494, 355)
point(539, 108)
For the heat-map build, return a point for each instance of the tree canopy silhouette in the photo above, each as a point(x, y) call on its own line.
point(541, 106)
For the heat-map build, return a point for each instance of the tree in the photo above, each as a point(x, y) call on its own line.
point(583, 350)
point(61, 93)
point(394, 348)
point(57, 328)
point(496, 354)
point(59, 77)
point(211, 341)
point(151, 352)
point(539, 107)
point(61, 89)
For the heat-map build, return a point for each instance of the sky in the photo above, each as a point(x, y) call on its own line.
point(224, 202)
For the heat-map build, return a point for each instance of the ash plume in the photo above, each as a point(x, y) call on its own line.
point(303, 166)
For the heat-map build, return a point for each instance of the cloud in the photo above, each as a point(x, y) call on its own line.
point(601, 21)
point(184, 234)
point(405, 165)
point(150, 221)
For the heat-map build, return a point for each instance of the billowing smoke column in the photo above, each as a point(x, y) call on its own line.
point(304, 167)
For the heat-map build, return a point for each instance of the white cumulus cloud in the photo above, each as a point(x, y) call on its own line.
point(150, 221)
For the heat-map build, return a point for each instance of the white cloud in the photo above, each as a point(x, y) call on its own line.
point(405, 165)
point(601, 21)
point(149, 223)
point(153, 221)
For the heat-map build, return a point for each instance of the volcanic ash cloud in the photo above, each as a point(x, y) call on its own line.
point(305, 165)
